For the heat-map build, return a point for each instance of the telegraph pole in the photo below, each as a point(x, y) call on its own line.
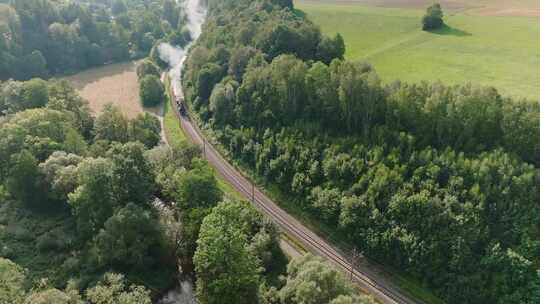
point(204, 147)
point(354, 260)
point(252, 192)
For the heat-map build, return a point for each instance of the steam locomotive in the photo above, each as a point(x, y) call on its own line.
point(180, 106)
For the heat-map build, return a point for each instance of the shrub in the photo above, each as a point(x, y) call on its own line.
point(147, 67)
point(151, 91)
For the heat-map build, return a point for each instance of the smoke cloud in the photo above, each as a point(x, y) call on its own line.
point(174, 55)
point(196, 13)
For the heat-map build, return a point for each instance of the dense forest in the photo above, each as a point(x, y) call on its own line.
point(48, 37)
point(439, 181)
point(93, 209)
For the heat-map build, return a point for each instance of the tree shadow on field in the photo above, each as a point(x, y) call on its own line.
point(447, 30)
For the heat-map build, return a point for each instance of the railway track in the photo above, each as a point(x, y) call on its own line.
point(368, 276)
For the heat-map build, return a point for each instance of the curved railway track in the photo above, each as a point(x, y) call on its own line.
point(368, 276)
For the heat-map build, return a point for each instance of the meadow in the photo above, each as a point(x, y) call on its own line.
point(492, 43)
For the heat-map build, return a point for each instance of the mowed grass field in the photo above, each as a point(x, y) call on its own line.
point(113, 83)
point(495, 45)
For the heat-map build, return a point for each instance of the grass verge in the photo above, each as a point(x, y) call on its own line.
point(173, 132)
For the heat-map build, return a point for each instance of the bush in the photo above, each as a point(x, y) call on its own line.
point(151, 91)
point(147, 67)
point(433, 18)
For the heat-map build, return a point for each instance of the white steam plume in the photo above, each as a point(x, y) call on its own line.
point(196, 13)
point(174, 55)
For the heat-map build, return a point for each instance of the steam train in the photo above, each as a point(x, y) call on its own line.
point(180, 106)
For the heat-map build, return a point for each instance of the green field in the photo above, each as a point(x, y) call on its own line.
point(499, 51)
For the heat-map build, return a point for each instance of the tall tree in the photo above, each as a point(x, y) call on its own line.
point(133, 179)
point(111, 125)
point(146, 129)
point(151, 91)
point(226, 271)
point(94, 199)
point(130, 239)
point(24, 178)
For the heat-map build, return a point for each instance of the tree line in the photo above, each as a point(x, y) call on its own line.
point(43, 38)
point(438, 181)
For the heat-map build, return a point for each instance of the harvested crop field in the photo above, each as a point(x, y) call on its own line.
point(114, 83)
point(4, 13)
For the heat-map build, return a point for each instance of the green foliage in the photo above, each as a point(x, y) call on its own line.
point(10, 96)
point(352, 300)
point(433, 18)
point(111, 125)
point(132, 176)
point(12, 280)
point(182, 38)
point(129, 239)
point(331, 48)
point(195, 191)
point(147, 67)
point(310, 280)
point(24, 178)
point(94, 199)
point(44, 152)
point(40, 131)
point(209, 75)
point(146, 129)
point(50, 38)
point(437, 181)
point(198, 188)
point(22, 230)
point(64, 98)
point(54, 296)
point(226, 271)
point(151, 91)
point(222, 102)
point(74, 142)
point(35, 94)
point(118, 7)
point(113, 289)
